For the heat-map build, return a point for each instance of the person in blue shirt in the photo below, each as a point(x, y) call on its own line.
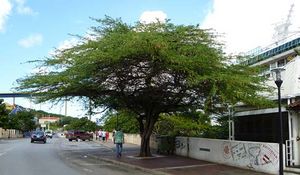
point(119, 140)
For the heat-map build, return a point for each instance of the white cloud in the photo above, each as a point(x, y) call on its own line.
point(5, 9)
point(30, 41)
point(66, 44)
point(249, 23)
point(71, 42)
point(23, 9)
point(152, 16)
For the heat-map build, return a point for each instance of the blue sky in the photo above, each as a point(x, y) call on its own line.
point(31, 29)
point(51, 21)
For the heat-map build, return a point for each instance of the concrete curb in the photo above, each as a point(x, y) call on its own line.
point(126, 165)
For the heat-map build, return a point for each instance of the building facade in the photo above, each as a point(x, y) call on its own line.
point(45, 121)
point(263, 124)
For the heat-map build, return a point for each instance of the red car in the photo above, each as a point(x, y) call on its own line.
point(76, 135)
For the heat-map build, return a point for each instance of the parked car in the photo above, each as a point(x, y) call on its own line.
point(38, 136)
point(61, 134)
point(49, 133)
point(76, 135)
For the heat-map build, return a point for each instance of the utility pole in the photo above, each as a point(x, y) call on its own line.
point(230, 123)
point(90, 109)
point(66, 107)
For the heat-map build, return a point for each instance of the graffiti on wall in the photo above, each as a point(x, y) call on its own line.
point(254, 154)
point(179, 144)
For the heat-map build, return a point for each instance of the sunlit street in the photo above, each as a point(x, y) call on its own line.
point(57, 156)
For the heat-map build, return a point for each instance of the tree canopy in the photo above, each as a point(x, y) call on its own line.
point(4, 120)
point(123, 119)
point(183, 124)
point(147, 69)
point(23, 121)
point(81, 124)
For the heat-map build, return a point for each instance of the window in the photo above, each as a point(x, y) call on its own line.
point(273, 65)
point(281, 63)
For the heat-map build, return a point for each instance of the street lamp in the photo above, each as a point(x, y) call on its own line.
point(117, 122)
point(276, 74)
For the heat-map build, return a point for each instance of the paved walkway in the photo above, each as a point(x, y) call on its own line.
point(170, 164)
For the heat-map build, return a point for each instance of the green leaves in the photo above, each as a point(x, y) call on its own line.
point(23, 121)
point(147, 69)
point(124, 119)
point(4, 120)
point(184, 124)
point(81, 124)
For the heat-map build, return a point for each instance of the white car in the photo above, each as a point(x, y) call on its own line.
point(49, 133)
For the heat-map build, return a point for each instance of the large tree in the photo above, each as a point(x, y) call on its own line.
point(147, 69)
point(4, 119)
point(23, 121)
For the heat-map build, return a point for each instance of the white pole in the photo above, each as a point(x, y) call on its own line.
point(66, 107)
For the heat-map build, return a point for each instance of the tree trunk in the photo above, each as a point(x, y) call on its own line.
point(148, 126)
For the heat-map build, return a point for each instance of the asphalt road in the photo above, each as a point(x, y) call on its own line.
point(58, 156)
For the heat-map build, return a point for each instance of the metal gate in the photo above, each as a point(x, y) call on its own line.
point(290, 153)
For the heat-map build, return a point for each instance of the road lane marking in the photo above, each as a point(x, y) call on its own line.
point(94, 164)
point(180, 167)
point(88, 170)
point(5, 151)
point(1, 154)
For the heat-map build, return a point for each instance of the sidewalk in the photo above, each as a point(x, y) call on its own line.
point(166, 164)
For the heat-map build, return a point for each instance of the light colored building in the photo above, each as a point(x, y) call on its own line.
point(263, 124)
point(49, 119)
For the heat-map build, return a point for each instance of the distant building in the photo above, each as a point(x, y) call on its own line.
point(9, 106)
point(14, 109)
point(17, 109)
point(48, 119)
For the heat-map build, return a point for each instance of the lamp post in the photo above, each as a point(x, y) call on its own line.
point(117, 125)
point(276, 73)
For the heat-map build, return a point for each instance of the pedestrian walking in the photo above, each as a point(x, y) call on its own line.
point(103, 136)
point(106, 136)
point(97, 134)
point(113, 135)
point(100, 134)
point(119, 140)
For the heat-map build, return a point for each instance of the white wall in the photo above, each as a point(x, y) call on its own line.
point(291, 81)
point(10, 133)
point(136, 139)
point(256, 156)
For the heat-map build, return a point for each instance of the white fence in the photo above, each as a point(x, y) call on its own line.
point(10, 133)
point(136, 139)
point(257, 156)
